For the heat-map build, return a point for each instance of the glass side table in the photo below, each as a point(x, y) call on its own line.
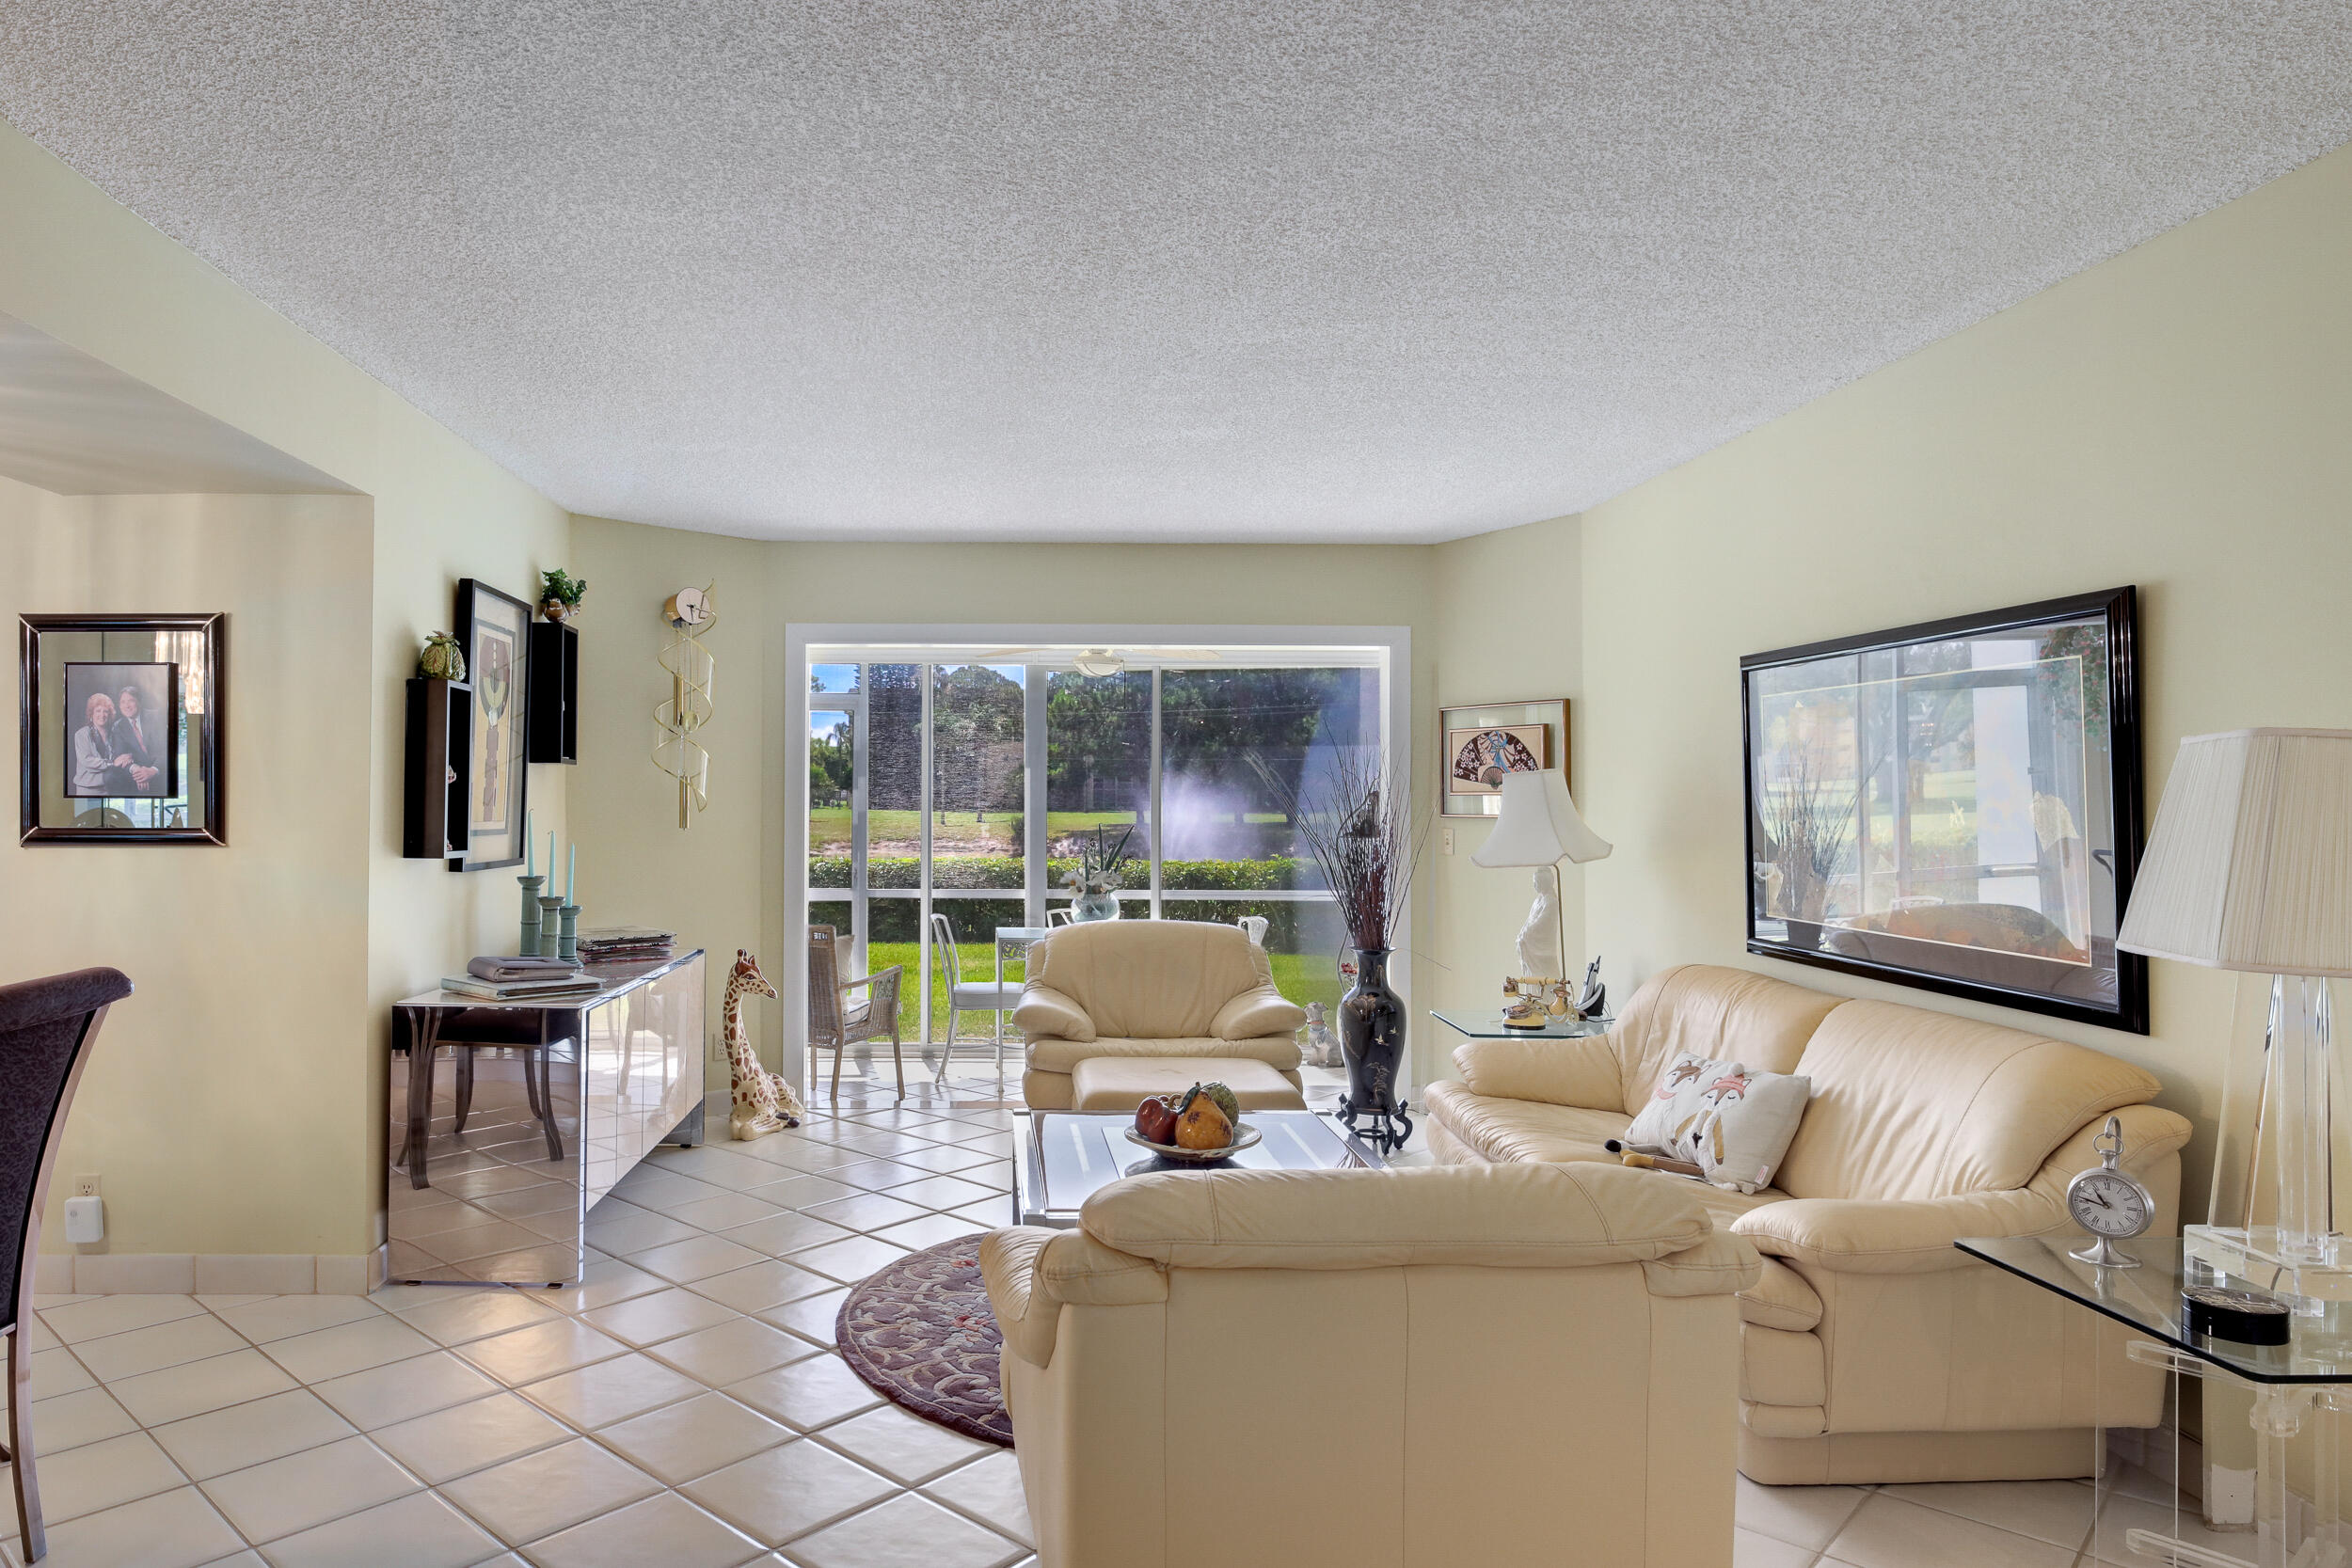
point(2272, 1493)
point(1489, 1026)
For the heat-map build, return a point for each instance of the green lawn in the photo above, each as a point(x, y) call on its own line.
point(1303, 977)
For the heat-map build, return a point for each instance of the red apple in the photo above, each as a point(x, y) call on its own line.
point(1155, 1119)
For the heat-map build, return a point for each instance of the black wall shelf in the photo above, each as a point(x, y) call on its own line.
point(439, 760)
point(554, 692)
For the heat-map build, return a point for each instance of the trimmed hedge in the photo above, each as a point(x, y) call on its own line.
point(897, 919)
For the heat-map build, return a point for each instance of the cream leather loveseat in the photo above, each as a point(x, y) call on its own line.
point(1431, 1369)
point(1873, 1350)
point(1149, 1005)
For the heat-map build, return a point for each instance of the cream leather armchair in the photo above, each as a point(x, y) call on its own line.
point(1873, 1350)
point(1175, 990)
point(1427, 1367)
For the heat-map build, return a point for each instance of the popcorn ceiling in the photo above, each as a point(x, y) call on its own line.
point(1041, 269)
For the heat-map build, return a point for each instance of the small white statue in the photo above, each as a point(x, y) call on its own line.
point(1322, 1048)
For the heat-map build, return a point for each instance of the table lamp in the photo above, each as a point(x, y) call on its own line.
point(2249, 867)
point(1538, 827)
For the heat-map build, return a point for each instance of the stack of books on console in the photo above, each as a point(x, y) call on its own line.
point(503, 979)
point(627, 944)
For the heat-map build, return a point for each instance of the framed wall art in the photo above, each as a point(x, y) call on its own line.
point(120, 728)
point(494, 629)
point(1477, 746)
point(1954, 806)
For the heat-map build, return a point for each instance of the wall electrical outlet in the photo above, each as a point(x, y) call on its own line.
point(1445, 840)
point(86, 1186)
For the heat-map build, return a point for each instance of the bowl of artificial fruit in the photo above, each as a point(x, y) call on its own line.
point(1195, 1128)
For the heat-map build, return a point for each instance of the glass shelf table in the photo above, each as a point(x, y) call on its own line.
point(2272, 1497)
point(1489, 1026)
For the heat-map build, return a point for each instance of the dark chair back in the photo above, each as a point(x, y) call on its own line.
point(46, 1027)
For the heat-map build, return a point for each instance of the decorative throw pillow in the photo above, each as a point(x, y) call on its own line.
point(1676, 1101)
point(1733, 1124)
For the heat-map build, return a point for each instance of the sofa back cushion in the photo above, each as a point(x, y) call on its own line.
point(1909, 1103)
point(1721, 1014)
point(1151, 979)
point(1540, 1216)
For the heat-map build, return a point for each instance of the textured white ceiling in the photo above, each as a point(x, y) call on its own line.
point(1051, 269)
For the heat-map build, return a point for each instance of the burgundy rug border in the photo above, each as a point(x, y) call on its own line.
point(879, 1381)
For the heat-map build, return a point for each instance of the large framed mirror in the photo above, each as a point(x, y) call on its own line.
point(1954, 806)
point(120, 719)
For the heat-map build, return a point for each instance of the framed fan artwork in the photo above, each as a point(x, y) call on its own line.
point(1480, 745)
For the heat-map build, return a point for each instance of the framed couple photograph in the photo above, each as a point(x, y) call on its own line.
point(1480, 745)
point(494, 631)
point(120, 729)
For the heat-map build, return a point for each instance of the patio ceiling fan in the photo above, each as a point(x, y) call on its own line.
point(1095, 662)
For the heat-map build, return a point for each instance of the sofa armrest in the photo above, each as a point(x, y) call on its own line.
point(1581, 1072)
point(1026, 1312)
point(1044, 1011)
point(1861, 1235)
point(1864, 1235)
point(1258, 1011)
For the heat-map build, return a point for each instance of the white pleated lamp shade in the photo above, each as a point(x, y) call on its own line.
point(1538, 825)
point(2250, 865)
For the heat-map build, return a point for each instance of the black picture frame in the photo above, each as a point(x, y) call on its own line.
point(494, 630)
point(193, 808)
point(2083, 787)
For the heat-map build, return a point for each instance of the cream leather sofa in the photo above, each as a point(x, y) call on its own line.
point(1425, 1367)
point(1191, 994)
point(1873, 1351)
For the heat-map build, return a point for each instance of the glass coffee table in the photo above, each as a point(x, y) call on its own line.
point(1062, 1158)
point(2272, 1495)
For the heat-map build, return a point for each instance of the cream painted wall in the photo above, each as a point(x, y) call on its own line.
point(250, 960)
point(1508, 629)
point(2174, 417)
point(82, 269)
point(723, 880)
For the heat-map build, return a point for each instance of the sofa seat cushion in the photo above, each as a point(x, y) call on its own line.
point(1122, 1083)
point(1517, 1131)
point(1053, 1054)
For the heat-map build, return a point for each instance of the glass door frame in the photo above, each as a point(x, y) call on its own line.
point(809, 644)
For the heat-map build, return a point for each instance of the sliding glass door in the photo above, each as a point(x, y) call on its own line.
point(967, 789)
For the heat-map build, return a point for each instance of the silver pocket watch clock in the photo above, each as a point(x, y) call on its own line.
point(2109, 1204)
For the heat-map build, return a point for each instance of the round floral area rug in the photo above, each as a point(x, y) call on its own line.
point(921, 1332)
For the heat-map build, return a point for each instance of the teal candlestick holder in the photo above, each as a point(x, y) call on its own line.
point(530, 915)
point(567, 939)
point(550, 920)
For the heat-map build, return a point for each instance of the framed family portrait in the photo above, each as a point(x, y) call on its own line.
point(1955, 806)
point(120, 728)
point(1479, 745)
point(494, 629)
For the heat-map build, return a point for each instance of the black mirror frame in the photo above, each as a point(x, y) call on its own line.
point(2128, 785)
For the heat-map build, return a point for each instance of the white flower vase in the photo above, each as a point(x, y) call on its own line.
point(1095, 906)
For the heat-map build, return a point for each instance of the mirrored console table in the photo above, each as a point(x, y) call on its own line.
point(510, 1119)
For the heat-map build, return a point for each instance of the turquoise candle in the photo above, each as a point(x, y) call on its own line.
point(530, 866)
point(571, 876)
point(550, 850)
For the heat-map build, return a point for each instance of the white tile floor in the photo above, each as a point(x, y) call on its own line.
point(683, 1407)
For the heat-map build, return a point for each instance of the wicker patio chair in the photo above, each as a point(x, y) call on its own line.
point(838, 1022)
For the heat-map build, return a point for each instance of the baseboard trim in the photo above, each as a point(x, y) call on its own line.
point(211, 1273)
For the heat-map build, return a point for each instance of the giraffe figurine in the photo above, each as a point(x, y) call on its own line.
point(763, 1101)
